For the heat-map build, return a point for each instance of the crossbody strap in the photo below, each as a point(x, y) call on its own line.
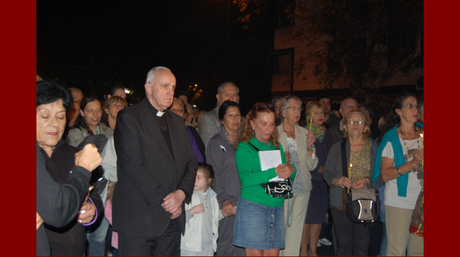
point(257, 149)
point(344, 159)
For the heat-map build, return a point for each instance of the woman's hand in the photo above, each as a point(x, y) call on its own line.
point(228, 209)
point(360, 183)
point(86, 213)
point(321, 170)
point(342, 182)
point(311, 138)
point(418, 156)
point(231, 138)
point(288, 157)
point(39, 220)
point(284, 170)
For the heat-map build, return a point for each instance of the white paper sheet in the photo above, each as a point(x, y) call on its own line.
point(269, 159)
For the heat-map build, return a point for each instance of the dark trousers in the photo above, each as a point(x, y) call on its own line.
point(352, 239)
point(225, 245)
point(167, 244)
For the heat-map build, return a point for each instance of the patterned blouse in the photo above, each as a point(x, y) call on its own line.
point(292, 149)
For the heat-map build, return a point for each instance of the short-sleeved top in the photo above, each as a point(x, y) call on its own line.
point(415, 175)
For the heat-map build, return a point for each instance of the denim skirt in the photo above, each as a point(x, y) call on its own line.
point(258, 226)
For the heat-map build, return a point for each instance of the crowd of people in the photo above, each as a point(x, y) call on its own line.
point(156, 178)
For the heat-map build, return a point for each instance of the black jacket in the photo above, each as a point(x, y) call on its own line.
point(149, 168)
point(69, 239)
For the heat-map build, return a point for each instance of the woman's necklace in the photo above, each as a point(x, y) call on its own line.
point(405, 137)
point(289, 132)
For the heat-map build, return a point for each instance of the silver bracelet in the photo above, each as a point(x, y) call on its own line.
point(399, 172)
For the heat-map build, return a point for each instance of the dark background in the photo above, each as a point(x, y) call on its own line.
point(94, 44)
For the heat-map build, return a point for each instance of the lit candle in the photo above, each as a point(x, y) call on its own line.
point(311, 119)
point(421, 135)
point(349, 176)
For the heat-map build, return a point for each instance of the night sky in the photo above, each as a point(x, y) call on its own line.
point(93, 44)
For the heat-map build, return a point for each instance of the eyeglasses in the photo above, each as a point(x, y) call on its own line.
point(356, 122)
point(295, 108)
point(412, 106)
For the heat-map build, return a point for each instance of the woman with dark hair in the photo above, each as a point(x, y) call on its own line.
point(88, 122)
point(399, 164)
point(111, 108)
point(66, 233)
point(298, 142)
point(116, 90)
point(221, 156)
point(352, 238)
point(259, 221)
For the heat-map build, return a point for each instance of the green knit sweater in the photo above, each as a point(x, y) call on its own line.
point(251, 176)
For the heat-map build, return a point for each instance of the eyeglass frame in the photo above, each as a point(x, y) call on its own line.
point(358, 122)
point(410, 106)
point(295, 108)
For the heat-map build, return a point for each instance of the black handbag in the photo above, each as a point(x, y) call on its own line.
point(363, 204)
point(278, 189)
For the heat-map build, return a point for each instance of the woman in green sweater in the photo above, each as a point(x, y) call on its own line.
point(259, 221)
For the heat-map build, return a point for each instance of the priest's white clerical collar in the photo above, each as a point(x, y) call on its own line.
point(160, 113)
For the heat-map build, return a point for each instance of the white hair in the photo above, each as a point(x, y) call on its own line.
point(151, 74)
point(220, 89)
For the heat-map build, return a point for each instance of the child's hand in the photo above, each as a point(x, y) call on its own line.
point(197, 209)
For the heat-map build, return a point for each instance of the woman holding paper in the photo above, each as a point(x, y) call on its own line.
point(352, 238)
point(298, 142)
point(400, 165)
point(221, 156)
point(259, 221)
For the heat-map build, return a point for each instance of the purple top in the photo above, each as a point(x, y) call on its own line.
point(196, 150)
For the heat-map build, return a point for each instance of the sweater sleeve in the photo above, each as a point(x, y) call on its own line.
point(330, 168)
point(216, 157)
point(247, 161)
point(58, 204)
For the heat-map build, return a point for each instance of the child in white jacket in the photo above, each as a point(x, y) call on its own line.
point(202, 216)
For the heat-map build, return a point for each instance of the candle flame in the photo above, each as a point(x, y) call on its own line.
point(351, 165)
point(421, 135)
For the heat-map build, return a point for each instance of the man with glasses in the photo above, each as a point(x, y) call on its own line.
point(334, 134)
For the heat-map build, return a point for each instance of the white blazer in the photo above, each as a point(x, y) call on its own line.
point(306, 162)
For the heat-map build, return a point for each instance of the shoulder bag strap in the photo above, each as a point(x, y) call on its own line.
point(257, 149)
point(344, 159)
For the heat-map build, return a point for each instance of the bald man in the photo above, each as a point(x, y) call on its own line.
point(334, 134)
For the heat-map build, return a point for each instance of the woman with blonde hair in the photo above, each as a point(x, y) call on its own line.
point(318, 204)
point(111, 108)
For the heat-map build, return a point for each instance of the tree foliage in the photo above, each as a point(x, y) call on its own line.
point(358, 44)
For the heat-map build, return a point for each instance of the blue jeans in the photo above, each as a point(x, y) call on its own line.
point(96, 239)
